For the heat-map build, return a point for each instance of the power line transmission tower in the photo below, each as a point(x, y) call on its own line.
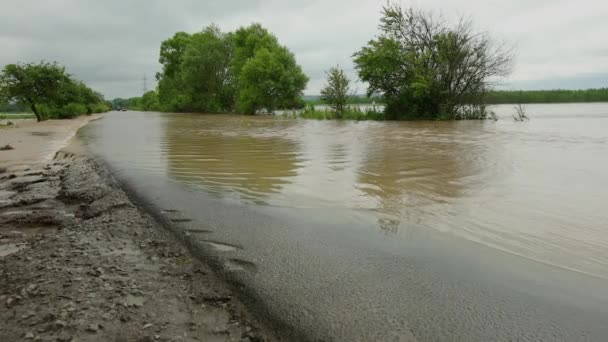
point(145, 84)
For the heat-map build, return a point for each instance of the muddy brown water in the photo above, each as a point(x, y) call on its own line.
point(391, 230)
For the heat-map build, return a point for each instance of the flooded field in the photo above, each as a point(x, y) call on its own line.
point(503, 193)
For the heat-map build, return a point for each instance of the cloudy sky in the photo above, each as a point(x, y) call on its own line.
point(112, 44)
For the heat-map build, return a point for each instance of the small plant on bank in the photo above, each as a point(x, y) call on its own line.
point(520, 113)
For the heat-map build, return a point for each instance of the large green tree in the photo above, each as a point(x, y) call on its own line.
point(34, 84)
point(427, 69)
point(170, 83)
point(211, 71)
point(206, 71)
point(271, 80)
point(336, 91)
point(49, 91)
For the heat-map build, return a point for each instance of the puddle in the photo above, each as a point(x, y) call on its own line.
point(198, 231)
point(181, 220)
point(15, 212)
point(170, 211)
point(240, 265)
point(41, 134)
point(221, 247)
point(11, 248)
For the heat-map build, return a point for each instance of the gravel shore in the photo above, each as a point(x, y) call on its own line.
point(80, 262)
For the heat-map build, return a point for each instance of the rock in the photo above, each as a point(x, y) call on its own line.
point(28, 315)
point(64, 338)
point(93, 328)
point(134, 301)
point(59, 324)
point(10, 301)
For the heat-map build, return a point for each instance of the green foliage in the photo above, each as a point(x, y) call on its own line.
point(247, 42)
point(148, 102)
point(349, 113)
point(48, 91)
point(72, 110)
point(212, 71)
point(33, 84)
point(101, 107)
point(13, 108)
point(548, 96)
point(16, 116)
point(352, 100)
point(206, 74)
point(337, 90)
point(425, 69)
point(270, 80)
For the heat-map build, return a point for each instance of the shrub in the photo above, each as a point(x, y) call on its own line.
point(48, 111)
point(72, 110)
point(98, 108)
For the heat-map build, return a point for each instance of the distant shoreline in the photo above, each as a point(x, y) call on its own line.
point(505, 97)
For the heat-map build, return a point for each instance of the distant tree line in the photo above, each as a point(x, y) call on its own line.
point(501, 97)
point(547, 96)
point(48, 91)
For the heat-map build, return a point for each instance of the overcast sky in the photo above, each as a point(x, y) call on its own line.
point(112, 44)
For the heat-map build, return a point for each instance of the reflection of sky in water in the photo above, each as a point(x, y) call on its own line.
point(534, 189)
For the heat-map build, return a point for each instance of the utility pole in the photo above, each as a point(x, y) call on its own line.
point(145, 84)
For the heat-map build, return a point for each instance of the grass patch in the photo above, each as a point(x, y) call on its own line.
point(16, 116)
point(350, 113)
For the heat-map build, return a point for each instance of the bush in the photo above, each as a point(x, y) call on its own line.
point(97, 108)
point(72, 110)
point(48, 111)
point(350, 113)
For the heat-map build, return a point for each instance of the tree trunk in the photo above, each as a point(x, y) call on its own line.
point(35, 110)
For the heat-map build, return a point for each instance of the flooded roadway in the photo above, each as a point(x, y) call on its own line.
point(460, 231)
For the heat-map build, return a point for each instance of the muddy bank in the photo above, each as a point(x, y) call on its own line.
point(34, 142)
point(80, 262)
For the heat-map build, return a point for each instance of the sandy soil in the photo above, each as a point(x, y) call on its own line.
point(36, 143)
point(80, 262)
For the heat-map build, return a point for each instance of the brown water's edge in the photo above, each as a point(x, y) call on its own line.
point(267, 320)
point(82, 261)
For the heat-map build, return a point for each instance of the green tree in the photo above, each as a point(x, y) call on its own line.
point(427, 69)
point(212, 71)
point(336, 92)
point(170, 83)
point(206, 71)
point(271, 80)
point(149, 101)
point(247, 42)
point(34, 84)
point(267, 74)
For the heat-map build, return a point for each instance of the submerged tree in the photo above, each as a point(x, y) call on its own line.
point(426, 69)
point(206, 74)
point(246, 70)
point(336, 92)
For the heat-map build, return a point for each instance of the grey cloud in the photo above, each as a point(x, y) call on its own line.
point(112, 44)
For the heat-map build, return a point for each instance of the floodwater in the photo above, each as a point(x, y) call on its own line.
point(391, 230)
